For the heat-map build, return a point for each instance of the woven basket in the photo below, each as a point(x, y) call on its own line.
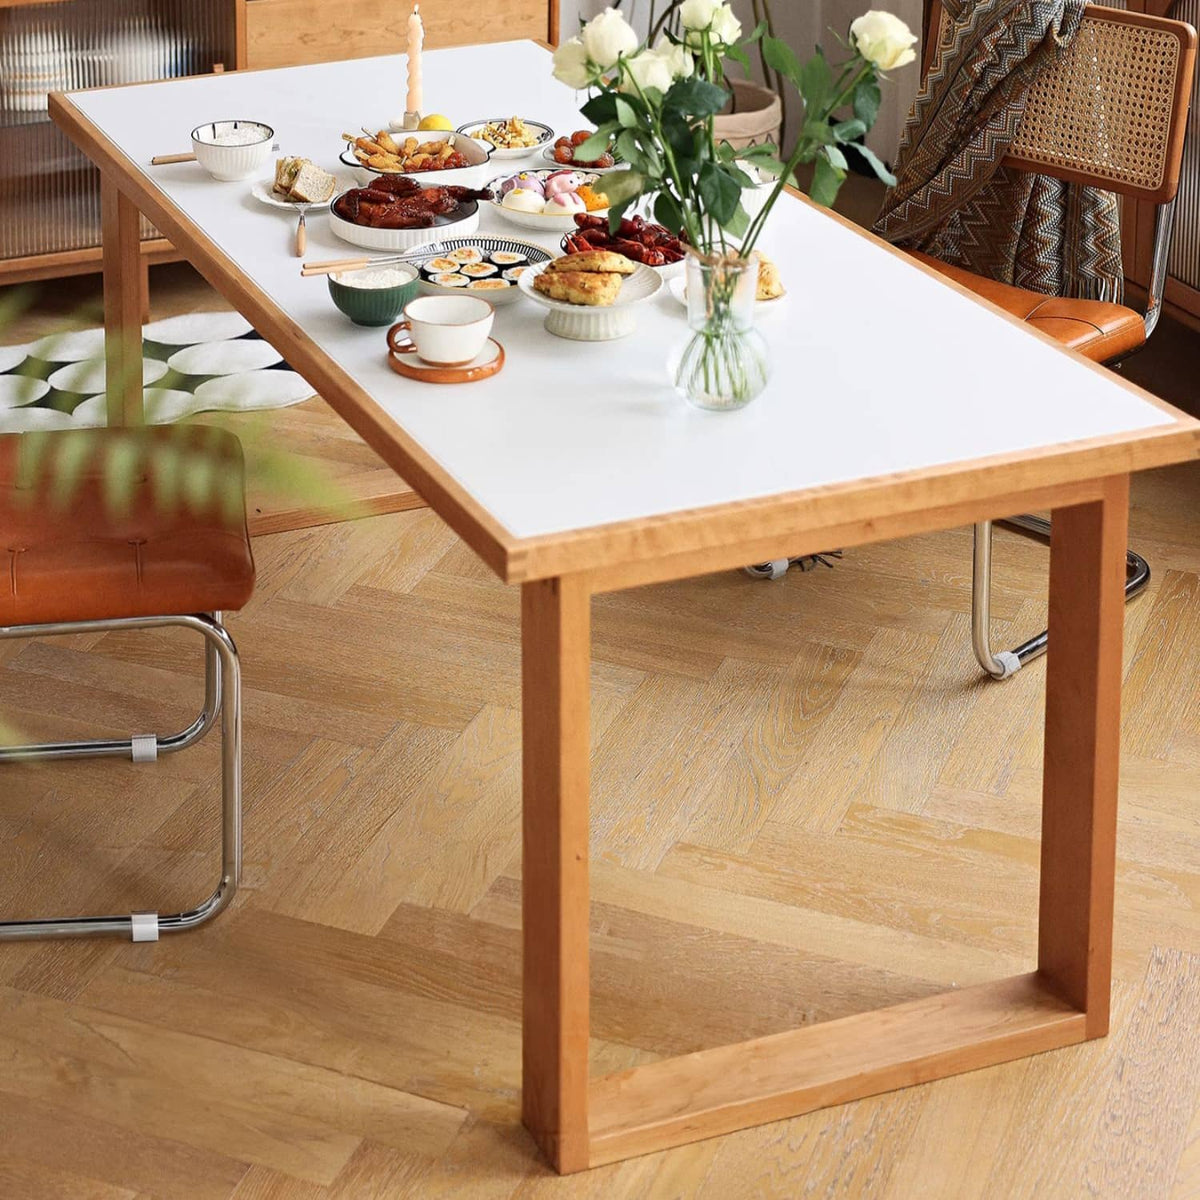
point(754, 117)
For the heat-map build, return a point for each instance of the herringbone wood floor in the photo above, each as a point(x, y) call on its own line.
point(806, 803)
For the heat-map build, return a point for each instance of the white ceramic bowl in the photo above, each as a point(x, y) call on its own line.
point(544, 134)
point(477, 154)
point(583, 323)
point(402, 239)
point(543, 222)
point(232, 162)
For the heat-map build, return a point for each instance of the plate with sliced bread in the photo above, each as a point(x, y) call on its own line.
point(591, 296)
point(298, 183)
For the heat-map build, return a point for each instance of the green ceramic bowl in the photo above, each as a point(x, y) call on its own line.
point(374, 305)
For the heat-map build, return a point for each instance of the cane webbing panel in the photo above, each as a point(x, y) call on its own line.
point(1106, 107)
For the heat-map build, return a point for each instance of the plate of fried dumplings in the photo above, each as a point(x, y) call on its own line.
point(591, 296)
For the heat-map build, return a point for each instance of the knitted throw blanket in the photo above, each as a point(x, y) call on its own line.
point(952, 197)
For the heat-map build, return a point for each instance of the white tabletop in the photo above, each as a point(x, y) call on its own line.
point(879, 368)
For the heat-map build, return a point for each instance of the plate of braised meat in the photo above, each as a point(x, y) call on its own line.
point(636, 239)
point(395, 213)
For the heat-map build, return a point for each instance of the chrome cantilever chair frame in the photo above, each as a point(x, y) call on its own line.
point(222, 695)
point(1039, 148)
point(1004, 663)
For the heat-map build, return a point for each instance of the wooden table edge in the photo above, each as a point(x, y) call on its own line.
point(668, 545)
point(353, 404)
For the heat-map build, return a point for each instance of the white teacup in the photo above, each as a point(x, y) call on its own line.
point(446, 331)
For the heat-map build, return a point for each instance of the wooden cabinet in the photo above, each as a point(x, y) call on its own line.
point(284, 33)
point(50, 194)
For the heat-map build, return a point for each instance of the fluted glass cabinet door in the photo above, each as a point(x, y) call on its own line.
point(50, 194)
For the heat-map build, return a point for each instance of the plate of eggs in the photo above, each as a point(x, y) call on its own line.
point(488, 267)
point(547, 200)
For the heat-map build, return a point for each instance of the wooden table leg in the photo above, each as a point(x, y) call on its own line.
point(121, 236)
point(556, 664)
point(580, 1122)
point(1083, 731)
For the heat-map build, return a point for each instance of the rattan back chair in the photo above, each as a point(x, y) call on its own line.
point(1111, 113)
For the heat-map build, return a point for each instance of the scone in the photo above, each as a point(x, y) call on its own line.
point(594, 260)
point(597, 289)
point(770, 286)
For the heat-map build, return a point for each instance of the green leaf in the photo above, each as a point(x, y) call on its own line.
point(620, 187)
point(816, 80)
point(627, 115)
point(719, 192)
point(759, 30)
point(121, 472)
point(677, 132)
point(826, 182)
point(601, 109)
point(737, 225)
point(695, 98)
point(629, 151)
point(866, 102)
point(782, 58)
point(837, 158)
point(849, 131)
point(596, 145)
point(876, 165)
point(667, 212)
point(739, 56)
point(735, 172)
point(616, 214)
point(759, 152)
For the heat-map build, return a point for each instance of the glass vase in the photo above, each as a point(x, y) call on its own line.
point(725, 362)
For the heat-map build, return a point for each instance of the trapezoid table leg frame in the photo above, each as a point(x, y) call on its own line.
point(580, 1122)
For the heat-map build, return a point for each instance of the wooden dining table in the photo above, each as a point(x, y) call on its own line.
point(898, 404)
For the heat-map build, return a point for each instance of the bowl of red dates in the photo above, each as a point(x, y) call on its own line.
point(636, 239)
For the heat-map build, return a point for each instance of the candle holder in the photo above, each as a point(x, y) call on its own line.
point(406, 124)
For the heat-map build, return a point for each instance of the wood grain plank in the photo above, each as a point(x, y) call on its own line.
point(555, 671)
point(1142, 1131)
point(121, 237)
point(1083, 733)
point(716, 1091)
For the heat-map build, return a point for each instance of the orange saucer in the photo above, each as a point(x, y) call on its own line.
point(489, 360)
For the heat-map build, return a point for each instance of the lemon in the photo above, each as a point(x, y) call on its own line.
point(435, 121)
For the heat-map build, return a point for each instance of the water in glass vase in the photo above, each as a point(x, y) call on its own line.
point(725, 363)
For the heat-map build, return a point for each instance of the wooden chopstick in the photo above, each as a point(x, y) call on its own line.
point(358, 264)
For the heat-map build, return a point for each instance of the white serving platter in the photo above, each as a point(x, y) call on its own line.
point(586, 323)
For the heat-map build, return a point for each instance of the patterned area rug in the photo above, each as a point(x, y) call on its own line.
point(199, 362)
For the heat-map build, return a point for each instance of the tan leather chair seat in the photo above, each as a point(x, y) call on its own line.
point(1099, 331)
point(85, 560)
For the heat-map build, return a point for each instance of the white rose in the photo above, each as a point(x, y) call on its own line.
point(883, 39)
point(678, 58)
point(607, 37)
point(726, 28)
point(649, 69)
point(571, 64)
point(697, 14)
